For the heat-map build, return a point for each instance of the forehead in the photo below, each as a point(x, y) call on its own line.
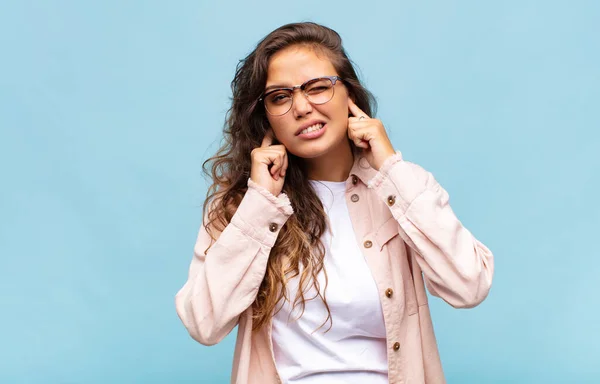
point(295, 65)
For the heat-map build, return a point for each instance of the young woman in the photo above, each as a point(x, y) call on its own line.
point(318, 238)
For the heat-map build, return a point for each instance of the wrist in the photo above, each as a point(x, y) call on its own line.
point(385, 157)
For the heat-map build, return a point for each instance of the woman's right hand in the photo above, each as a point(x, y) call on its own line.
point(269, 164)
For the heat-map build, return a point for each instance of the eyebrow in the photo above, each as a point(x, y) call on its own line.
point(276, 86)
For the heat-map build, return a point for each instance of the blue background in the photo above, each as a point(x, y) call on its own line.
point(107, 110)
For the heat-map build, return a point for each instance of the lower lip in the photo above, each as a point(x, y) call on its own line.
point(314, 134)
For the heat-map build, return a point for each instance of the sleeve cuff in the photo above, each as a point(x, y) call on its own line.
point(384, 170)
point(261, 215)
point(399, 183)
point(282, 201)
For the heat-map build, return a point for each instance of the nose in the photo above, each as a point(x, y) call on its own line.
point(301, 105)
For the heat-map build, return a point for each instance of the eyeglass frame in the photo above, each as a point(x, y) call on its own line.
point(333, 79)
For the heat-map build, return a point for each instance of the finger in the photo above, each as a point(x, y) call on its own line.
point(357, 120)
point(266, 155)
point(276, 168)
point(357, 139)
point(285, 165)
point(354, 110)
point(361, 143)
point(364, 132)
point(268, 139)
point(281, 152)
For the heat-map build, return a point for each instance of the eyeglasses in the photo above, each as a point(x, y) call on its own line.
point(317, 91)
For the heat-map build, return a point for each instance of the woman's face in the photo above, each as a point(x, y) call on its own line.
point(293, 66)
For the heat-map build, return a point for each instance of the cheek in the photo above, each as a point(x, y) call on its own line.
point(340, 107)
point(339, 112)
point(282, 127)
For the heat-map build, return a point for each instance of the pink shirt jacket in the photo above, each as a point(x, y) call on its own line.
point(410, 238)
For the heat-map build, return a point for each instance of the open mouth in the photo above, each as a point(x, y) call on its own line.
point(312, 128)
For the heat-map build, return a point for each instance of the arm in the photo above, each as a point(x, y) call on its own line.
point(456, 266)
point(224, 282)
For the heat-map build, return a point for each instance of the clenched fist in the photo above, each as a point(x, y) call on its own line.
point(269, 163)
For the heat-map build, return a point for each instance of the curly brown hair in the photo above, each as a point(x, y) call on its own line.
point(299, 240)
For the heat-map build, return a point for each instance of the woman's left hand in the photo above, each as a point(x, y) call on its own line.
point(370, 135)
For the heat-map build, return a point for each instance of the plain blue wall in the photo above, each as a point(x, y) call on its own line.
point(107, 110)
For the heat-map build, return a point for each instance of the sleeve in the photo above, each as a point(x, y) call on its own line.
point(456, 266)
point(223, 282)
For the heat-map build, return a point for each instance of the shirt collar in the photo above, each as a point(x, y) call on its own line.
point(362, 170)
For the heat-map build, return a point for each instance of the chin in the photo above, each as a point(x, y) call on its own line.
point(306, 153)
point(311, 150)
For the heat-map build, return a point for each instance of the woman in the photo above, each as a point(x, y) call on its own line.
point(318, 238)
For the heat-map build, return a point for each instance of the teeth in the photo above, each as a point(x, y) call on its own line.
point(312, 128)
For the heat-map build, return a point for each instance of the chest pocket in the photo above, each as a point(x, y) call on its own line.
point(389, 241)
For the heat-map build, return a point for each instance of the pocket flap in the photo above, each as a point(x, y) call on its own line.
point(386, 232)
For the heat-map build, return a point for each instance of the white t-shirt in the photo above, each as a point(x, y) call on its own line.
point(354, 350)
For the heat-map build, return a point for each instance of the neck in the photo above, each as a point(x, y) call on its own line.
point(335, 165)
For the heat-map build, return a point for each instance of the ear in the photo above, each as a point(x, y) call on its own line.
point(349, 91)
point(351, 96)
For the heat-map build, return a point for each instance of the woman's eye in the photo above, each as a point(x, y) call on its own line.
point(279, 98)
point(317, 89)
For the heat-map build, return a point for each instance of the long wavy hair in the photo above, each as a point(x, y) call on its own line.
point(299, 240)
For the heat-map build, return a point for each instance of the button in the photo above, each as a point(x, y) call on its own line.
point(354, 198)
point(389, 292)
point(368, 244)
point(273, 227)
point(391, 200)
point(354, 179)
point(396, 346)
